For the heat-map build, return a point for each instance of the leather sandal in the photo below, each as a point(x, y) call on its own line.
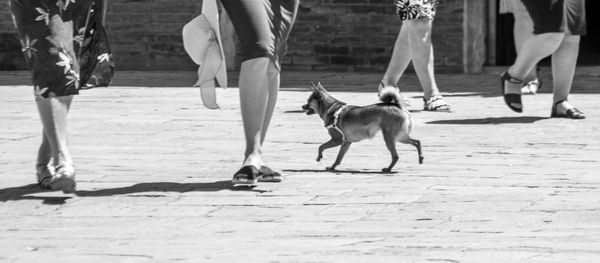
point(247, 175)
point(513, 101)
point(572, 113)
point(268, 176)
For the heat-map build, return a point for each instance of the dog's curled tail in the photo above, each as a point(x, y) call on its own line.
point(390, 94)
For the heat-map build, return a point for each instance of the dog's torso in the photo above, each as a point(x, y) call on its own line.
point(358, 123)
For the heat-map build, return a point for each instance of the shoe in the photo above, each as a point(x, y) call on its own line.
point(513, 101)
point(435, 103)
point(268, 176)
point(63, 179)
point(572, 113)
point(246, 176)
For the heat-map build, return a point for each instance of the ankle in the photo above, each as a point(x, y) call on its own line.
point(562, 106)
point(253, 160)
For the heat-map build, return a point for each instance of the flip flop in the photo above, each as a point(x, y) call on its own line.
point(246, 176)
point(268, 176)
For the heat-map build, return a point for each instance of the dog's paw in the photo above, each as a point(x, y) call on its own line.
point(319, 158)
point(386, 170)
point(330, 168)
point(421, 160)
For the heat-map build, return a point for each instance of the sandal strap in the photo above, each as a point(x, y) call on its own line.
point(435, 102)
point(507, 77)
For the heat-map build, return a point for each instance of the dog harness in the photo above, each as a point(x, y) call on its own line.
point(336, 118)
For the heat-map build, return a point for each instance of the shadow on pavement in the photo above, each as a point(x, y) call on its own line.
point(335, 171)
point(27, 192)
point(24, 192)
point(491, 120)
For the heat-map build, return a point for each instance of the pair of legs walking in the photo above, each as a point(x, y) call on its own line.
point(564, 49)
point(557, 26)
point(414, 44)
point(54, 166)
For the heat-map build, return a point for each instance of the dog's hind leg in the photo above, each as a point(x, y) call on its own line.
point(330, 144)
point(340, 156)
point(391, 145)
point(417, 144)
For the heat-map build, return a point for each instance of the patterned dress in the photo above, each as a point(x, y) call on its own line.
point(511, 6)
point(64, 44)
point(415, 9)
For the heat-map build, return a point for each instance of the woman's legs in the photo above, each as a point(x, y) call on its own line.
point(255, 104)
point(564, 62)
point(533, 50)
point(53, 113)
point(421, 50)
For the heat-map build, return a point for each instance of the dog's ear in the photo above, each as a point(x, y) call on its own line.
point(313, 86)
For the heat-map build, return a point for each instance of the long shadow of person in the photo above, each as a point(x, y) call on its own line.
point(27, 192)
point(491, 120)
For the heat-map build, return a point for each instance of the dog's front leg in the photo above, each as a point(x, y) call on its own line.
point(340, 156)
point(330, 144)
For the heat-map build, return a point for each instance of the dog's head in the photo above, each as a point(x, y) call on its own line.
point(315, 104)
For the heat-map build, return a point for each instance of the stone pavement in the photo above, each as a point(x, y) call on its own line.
point(154, 167)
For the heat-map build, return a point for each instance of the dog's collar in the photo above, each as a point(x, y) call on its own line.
point(336, 119)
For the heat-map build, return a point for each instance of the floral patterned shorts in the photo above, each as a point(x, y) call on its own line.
point(415, 9)
point(64, 44)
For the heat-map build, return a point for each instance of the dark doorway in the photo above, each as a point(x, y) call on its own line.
point(589, 53)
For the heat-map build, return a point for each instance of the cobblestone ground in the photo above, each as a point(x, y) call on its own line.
point(153, 170)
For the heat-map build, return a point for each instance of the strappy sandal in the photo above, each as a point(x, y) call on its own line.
point(63, 179)
point(513, 101)
point(572, 113)
point(268, 176)
point(246, 176)
point(435, 103)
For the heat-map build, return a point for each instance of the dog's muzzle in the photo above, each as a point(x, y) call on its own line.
point(308, 110)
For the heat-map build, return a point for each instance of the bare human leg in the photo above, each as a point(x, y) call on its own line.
point(522, 30)
point(564, 62)
point(254, 97)
point(400, 59)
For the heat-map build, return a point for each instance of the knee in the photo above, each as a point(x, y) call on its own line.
point(551, 38)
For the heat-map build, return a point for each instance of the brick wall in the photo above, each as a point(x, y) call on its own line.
point(348, 35)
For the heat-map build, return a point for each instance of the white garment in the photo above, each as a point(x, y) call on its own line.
point(202, 42)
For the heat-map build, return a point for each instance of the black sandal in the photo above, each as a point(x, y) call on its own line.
point(513, 101)
point(572, 113)
point(268, 176)
point(247, 175)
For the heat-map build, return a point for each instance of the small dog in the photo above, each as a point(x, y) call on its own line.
point(347, 124)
